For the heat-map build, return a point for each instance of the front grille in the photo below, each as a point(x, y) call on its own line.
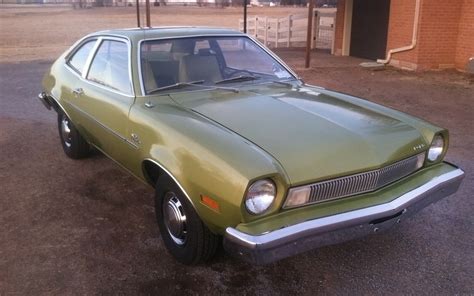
point(364, 182)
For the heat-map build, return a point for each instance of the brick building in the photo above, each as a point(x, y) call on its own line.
point(413, 34)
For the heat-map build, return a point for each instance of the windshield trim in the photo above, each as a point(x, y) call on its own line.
point(258, 43)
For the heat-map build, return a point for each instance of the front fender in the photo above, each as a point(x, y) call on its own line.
point(204, 158)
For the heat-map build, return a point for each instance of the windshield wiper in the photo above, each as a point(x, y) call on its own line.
point(237, 78)
point(176, 85)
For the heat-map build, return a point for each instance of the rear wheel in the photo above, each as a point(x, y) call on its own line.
point(184, 234)
point(73, 143)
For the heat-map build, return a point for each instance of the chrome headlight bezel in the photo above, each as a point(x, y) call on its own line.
point(437, 149)
point(260, 196)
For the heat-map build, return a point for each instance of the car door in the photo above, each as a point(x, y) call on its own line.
point(104, 97)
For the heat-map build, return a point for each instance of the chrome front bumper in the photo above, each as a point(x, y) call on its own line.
point(308, 235)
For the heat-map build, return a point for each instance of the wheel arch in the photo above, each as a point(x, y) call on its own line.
point(152, 170)
point(54, 103)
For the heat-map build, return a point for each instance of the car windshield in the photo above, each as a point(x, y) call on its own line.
point(212, 60)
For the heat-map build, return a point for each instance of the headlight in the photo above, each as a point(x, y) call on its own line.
point(260, 196)
point(436, 149)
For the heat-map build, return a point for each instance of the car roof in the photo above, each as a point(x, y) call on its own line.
point(137, 34)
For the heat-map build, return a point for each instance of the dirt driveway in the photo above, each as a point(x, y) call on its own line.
point(86, 227)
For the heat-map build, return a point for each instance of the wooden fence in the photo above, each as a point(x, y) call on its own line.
point(290, 31)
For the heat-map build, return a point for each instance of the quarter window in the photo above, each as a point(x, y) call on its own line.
point(110, 66)
point(79, 59)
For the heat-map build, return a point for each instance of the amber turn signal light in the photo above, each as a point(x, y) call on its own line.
point(210, 202)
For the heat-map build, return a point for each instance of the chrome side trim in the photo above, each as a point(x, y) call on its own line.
point(172, 177)
point(104, 126)
point(341, 221)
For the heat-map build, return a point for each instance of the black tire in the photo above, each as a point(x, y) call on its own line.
point(197, 244)
point(73, 143)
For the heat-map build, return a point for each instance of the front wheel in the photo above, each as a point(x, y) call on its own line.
point(184, 234)
point(73, 143)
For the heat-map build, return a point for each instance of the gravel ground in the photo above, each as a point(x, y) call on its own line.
point(87, 227)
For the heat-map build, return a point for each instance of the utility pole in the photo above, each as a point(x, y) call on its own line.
point(148, 20)
point(138, 13)
point(245, 16)
point(309, 33)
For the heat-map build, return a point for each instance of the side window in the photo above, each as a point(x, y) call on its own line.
point(78, 60)
point(110, 66)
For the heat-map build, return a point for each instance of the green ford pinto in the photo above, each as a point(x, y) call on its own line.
point(238, 147)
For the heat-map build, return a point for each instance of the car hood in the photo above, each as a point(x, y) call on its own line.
point(312, 133)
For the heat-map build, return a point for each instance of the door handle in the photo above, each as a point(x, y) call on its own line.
point(78, 91)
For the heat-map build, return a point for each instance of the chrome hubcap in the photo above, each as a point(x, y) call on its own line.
point(175, 218)
point(66, 131)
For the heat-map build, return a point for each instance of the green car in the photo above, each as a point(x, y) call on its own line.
point(238, 147)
